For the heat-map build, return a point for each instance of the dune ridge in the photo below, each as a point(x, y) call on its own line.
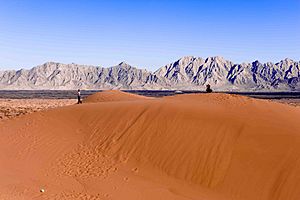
point(196, 146)
point(112, 95)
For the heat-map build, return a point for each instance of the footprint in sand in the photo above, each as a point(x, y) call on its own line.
point(135, 170)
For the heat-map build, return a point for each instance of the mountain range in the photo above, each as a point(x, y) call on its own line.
point(187, 73)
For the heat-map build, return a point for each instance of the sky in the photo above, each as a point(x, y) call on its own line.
point(147, 33)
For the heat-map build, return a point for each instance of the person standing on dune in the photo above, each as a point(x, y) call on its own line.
point(208, 89)
point(79, 97)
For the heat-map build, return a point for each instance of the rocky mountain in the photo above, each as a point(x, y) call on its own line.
point(184, 74)
point(221, 74)
point(72, 76)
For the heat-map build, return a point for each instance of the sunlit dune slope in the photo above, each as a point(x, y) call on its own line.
point(112, 95)
point(197, 146)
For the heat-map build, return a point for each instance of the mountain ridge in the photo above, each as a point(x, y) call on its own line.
point(186, 73)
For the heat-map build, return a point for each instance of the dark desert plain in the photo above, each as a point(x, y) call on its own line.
point(118, 145)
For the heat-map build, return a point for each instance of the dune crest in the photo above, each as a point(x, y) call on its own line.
point(197, 146)
point(113, 95)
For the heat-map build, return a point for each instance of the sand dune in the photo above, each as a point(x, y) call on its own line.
point(113, 95)
point(198, 146)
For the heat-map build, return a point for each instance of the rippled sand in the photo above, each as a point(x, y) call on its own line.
point(118, 146)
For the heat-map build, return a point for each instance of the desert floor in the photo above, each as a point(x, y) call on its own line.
point(10, 108)
point(123, 146)
point(292, 102)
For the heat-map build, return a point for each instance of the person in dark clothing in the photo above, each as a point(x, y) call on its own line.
point(208, 89)
point(79, 97)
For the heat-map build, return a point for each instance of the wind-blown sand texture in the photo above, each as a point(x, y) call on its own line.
point(197, 146)
point(10, 108)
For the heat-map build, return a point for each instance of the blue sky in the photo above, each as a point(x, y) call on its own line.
point(147, 34)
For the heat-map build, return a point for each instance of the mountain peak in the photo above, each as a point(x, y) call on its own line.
point(257, 62)
point(288, 60)
point(50, 63)
point(187, 58)
point(217, 59)
point(123, 64)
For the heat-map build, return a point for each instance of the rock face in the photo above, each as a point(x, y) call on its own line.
point(72, 76)
point(186, 73)
point(221, 74)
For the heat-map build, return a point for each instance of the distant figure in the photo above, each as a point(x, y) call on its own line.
point(79, 97)
point(208, 89)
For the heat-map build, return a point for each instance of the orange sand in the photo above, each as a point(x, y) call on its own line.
point(112, 95)
point(198, 146)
